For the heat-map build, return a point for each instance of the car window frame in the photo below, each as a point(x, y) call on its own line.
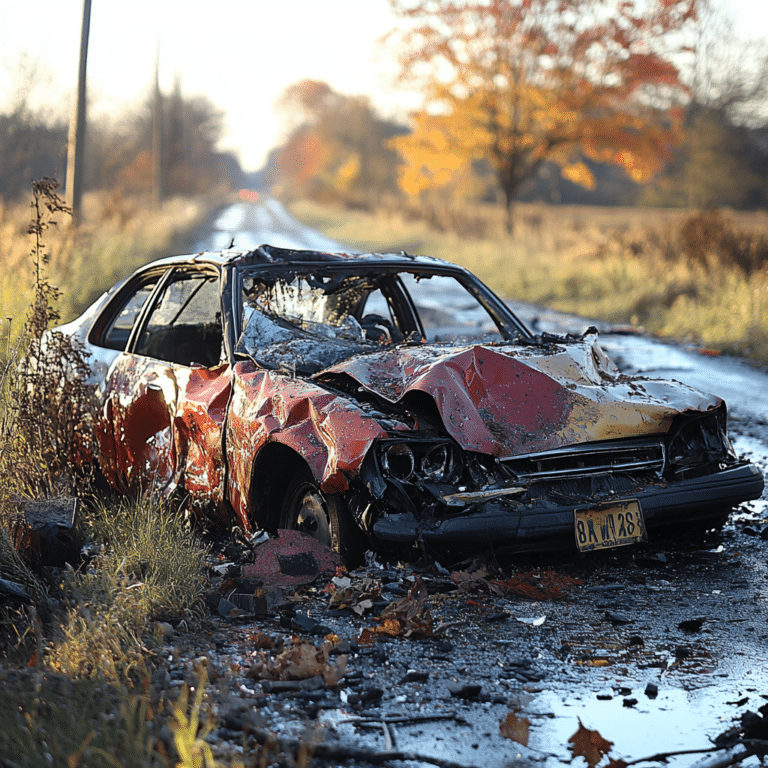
point(109, 314)
point(510, 326)
point(150, 305)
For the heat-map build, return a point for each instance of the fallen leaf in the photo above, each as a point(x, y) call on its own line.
point(366, 638)
point(515, 728)
point(302, 660)
point(589, 744)
point(407, 616)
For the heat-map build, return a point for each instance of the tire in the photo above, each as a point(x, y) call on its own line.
point(326, 518)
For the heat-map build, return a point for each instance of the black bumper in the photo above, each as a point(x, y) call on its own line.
point(551, 527)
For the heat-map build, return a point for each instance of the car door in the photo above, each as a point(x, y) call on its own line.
point(166, 395)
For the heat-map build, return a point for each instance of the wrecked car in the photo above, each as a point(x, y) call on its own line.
point(390, 401)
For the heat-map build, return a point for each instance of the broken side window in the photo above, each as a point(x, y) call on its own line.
point(184, 326)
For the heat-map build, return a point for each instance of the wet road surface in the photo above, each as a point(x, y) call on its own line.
point(659, 648)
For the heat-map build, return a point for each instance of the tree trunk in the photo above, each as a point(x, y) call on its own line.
point(509, 204)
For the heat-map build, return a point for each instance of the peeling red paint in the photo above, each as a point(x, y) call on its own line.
point(161, 425)
point(501, 405)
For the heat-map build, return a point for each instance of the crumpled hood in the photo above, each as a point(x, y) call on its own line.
point(508, 400)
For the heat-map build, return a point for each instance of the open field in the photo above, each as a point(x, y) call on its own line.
point(624, 265)
point(135, 658)
point(116, 236)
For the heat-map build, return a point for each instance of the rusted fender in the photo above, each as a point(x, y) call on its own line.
point(136, 448)
point(507, 401)
point(198, 427)
point(161, 428)
point(331, 433)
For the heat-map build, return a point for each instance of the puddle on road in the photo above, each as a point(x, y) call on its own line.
point(675, 720)
point(752, 449)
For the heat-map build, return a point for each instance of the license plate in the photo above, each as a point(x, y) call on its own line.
point(614, 524)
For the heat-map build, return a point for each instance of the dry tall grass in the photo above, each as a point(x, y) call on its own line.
point(634, 266)
point(115, 237)
point(90, 645)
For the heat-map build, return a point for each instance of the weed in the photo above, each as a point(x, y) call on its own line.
point(150, 568)
point(712, 238)
point(188, 731)
point(147, 541)
point(47, 404)
point(48, 719)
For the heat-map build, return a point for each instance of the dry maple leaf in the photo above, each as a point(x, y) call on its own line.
point(302, 660)
point(589, 744)
point(407, 616)
point(515, 728)
point(342, 598)
point(390, 627)
point(366, 638)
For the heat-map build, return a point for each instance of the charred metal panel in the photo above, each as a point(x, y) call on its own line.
point(161, 426)
point(198, 429)
point(331, 433)
point(538, 400)
point(135, 428)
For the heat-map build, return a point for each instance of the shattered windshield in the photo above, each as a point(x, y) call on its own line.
point(307, 322)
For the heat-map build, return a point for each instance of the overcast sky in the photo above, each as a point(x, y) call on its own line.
point(240, 53)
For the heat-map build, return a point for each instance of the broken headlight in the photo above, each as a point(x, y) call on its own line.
point(398, 461)
point(698, 441)
point(416, 460)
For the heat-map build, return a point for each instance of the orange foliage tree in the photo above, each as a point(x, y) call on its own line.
point(521, 82)
point(337, 144)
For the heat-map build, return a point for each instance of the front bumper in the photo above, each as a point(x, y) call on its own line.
point(551, 527)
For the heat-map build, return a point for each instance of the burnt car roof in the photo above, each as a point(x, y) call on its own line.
point(269, 254)
point(266, 255)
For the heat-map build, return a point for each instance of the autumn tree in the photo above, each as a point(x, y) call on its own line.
point(521, 82)
point(337, 144)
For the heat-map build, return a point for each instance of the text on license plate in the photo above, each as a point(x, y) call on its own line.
point(614, 524)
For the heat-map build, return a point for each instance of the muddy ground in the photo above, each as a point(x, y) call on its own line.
point(660, 648)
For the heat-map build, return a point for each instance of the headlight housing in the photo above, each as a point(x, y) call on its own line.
point(698, 441)
point(417, 460)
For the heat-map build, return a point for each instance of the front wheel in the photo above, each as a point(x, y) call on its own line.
point(325, 518)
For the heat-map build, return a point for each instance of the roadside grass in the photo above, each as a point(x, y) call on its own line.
point(49, 719)
point(78, 647)
point(701, 278)
point(149, 568)
point(115, 237)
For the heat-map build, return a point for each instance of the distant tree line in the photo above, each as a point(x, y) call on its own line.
point(563, 101)
point(119, 149)
point(343, 150)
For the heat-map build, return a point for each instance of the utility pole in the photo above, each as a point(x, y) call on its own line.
point(157, 139)
point(78, 123)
